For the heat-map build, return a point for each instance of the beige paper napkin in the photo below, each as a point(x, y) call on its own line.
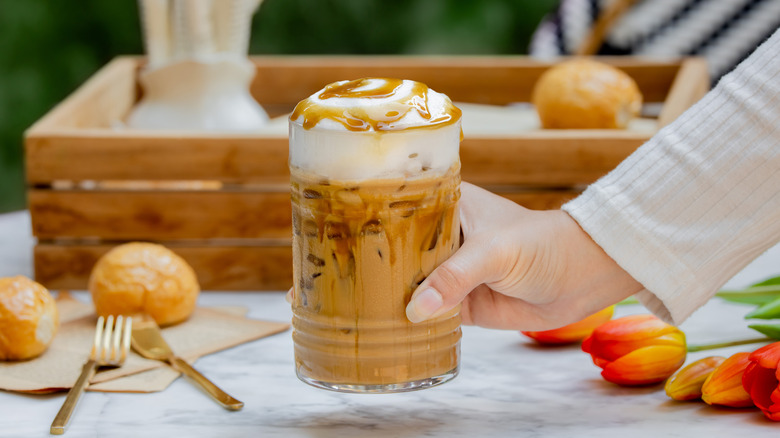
point(156, 379)
point(207, 331)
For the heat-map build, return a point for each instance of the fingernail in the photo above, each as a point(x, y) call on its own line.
point(423, 305)
point(289, 296)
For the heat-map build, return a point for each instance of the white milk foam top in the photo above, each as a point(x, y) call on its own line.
point(401, 132)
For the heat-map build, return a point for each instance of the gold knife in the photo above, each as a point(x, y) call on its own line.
point(149, 343)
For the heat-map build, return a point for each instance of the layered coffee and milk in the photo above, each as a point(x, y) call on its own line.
point(375, 186)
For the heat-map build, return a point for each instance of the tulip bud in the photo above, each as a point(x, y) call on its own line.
point(724, 386)
point(687, 383)
point(636, 350)
point(575, 332)
point(762, 380)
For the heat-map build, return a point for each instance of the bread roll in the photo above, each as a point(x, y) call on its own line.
point(586, 94)
point(144, 277)
point(28, 318)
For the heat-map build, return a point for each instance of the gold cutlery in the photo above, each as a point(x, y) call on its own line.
point(109, 349)
point(149, 343)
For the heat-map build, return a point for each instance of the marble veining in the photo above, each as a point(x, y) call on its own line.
point(507, 387)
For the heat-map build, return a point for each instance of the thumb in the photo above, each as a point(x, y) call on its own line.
point(449, 283)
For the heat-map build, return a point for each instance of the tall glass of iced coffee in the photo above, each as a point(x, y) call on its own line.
point(375, 180)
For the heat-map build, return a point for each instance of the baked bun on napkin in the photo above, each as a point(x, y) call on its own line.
point(28, 318)
point(144, 277)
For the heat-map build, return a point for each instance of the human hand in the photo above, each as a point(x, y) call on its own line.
point(520, 269)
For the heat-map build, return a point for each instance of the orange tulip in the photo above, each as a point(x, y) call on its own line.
point(636, 350)
point(575, 332)
point(724, 386)
point(762, 380)
point(687, 383)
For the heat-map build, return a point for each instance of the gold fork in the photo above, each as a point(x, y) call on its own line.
point(109, 349)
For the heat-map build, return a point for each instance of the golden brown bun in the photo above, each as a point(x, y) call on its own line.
point(586, 94)
point(144, 277)
point(28, 318)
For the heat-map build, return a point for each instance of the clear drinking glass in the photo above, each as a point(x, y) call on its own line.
point(374, 212)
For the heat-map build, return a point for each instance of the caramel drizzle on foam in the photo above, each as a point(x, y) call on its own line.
point(356, 118)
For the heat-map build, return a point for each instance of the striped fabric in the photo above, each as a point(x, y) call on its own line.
point(723, 31)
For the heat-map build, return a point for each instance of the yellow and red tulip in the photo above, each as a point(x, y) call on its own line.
point(636, 350)
point(762, 380)
point(574, 332)
point(687, 383)
point(724, 386)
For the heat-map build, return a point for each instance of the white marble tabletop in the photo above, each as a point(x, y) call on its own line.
point(507, 386)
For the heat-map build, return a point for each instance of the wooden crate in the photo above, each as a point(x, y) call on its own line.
point(222, 201)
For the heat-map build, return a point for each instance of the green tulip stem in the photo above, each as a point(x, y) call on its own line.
point(629, 300)
point(694, 348)
point(755, 291)
point(769, 291)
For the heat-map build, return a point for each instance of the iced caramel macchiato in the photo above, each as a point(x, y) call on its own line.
point(375, 186)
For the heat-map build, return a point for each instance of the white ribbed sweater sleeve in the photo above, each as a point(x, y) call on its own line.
point(699, 200)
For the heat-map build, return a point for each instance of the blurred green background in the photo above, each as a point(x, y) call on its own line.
point(49, 47)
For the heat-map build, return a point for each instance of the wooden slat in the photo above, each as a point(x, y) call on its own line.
point(106, 155)
point(217, 267)
point(479, 79)
point(691, 84)
point(167, 215)
point(159, 215)
point(249, 266)
point(546, 158)
point(538, 158)
point(545, 200)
